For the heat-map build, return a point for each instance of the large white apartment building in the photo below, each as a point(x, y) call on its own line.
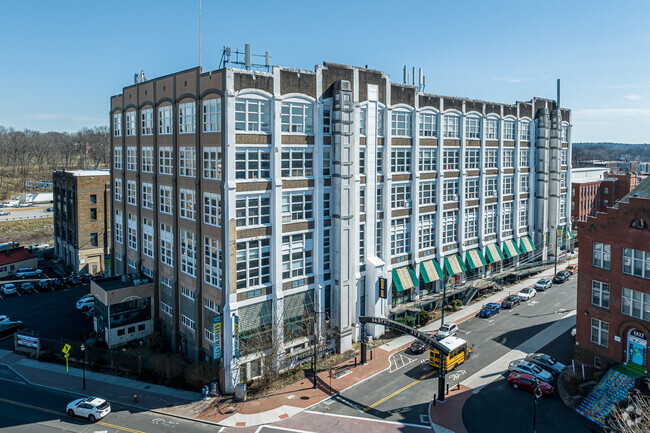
point(266, 199)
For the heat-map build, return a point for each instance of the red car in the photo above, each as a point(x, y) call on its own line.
point(528, 382)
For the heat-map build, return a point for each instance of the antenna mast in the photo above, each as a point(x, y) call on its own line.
point(200, 33)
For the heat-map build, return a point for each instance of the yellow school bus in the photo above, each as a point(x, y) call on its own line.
point(458, 353)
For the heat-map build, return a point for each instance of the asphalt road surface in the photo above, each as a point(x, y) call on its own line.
point(26, 213)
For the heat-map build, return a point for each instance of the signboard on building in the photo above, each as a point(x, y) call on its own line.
point(382, 288)
point(235, 335)
point(216, 334)
point(27, 341)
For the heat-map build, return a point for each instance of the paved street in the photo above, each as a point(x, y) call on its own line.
point(26, 213)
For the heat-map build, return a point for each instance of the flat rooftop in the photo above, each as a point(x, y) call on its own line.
point(84, 173)
point(116, 283)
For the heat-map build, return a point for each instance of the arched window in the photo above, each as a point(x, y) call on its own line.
point(639, 224)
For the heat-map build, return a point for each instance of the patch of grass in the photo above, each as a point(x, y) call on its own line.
point(27, 231)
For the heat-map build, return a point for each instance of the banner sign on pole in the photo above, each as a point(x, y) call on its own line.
point(382, 288)
point(27, 341)
point(548, 238)
point(216, 334)
point(236, 337)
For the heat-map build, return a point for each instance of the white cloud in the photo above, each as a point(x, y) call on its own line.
point(633, 97)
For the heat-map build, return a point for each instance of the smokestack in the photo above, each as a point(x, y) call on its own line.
point(558, 93)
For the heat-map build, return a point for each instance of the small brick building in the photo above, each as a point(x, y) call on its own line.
point(13, 257)
point(613, 308)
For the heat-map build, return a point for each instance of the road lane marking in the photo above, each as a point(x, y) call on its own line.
point(401, 424)
point(29, 406)
point(388, 397)
point(105, 424)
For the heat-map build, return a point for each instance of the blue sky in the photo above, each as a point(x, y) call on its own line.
point(63, 60)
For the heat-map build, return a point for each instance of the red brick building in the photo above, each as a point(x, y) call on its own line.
point(613, 308)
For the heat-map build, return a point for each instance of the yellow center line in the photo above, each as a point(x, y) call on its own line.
point(388, 397)
point(118, 427)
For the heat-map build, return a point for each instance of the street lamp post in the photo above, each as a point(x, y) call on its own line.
point(538, 394)
point(444, 299)
point(83, 365)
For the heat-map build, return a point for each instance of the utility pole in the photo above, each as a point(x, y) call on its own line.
point(444, 299)
point(556, 240)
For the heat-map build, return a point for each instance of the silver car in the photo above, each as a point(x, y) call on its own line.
point(523, 366)
point(543, 284)
point(449, 328)
point(92, 408)
point(547, 362)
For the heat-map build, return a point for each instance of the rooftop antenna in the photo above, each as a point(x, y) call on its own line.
point(247, 58)
point(413, 77)
point(200, 1)
point(405, 75)
point(558, 93)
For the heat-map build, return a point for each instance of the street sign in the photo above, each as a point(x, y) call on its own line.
point(216, 334)
point(66, 349)
point(236, 337)
point(27, 341)
point(548, 238)
point(382, 288)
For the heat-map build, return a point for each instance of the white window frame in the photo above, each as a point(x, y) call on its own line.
point(472, 127)
point(451, 126)
point(165, 160)
point(187, 161)
point(187, 204)
point(451, 190)
point(491, 157)
point(471, 223)
point(401, 159)
point(449, 227)
point(507, 216)
point(297, 256)
point(523, 214)
point(132, 231)
point(118, 158)
point(491, 184)
point(187, 118)
point(188, 323)
point(490, 219)
point(602, 255)
point(147, 159)
point(252, 115)
point(508, 187)
point(524, 156)
point(402, 123)
point(524, 183)
point(428, 159)
point(165, 199)
point(252, 164)
point(428, 125)
point(131, 123)
point(212, 264)
point(117, 125)
point(212, 209)
point(400, 195)
point(297, 118)
point(165, 120)
point(297, 205)
point(253, 210)
point(253, 261)
point(509, 129)
point(147, 237)
point(524, 131)
point(166, 244)
point(509, 158)
point(212, 165)
point(427, 231)
point(131, 192)
point(491, 128)
point(636, 263)
point(635, 304)
point(119, 227)
point(146, 121)
point(297, 162)
point(472, 158)
point(472, 188)
point(599, 332)
point(187, 242)
point(132, 158)
point(400, 237)
point(212, 115)
point(428, 193)
point(147, 195)
point(118, 188)
point(600, 295)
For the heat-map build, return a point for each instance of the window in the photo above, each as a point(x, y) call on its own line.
point(297, 255)
point(93, 213)
point(212, 264)
point(635, 262)
point(147, 196)
point(635, 304)
point(508, 158)
point(188, 252)
point(401, 195)
point(117, 157)
point(93, 198)
point(252, 164)
point(131, 123)
point(253, 211)
point(401, 160)
point(212, 115)
point(563, 206)
point(450, 159)
point(212, 163)
point(118, 189)
point(565, 133)
point(378, 234)
point(471, 223)
point(603, 256)
point(491, 186)
point(147, 159)
point(207, 334)
point(600, 294)
point(362, 247)
point(523, 214)
point(253, 263)
point(165, 160)
point(524, 181)
point(472, 159)
point(132, 231)
point(146, 121)
point(508, 185)
point(253, 115)
point(523, 157)
point(327, 161)
point(327, 120)
point(187, 203)
point(297, 163)
point(428, 125)
point(117, 125)
point(119, 233)
point(401, 125)
point(428, 159)
point(166, 245)
point(450, 190)
point(451, 126)
point(506, 217)
point(326, 254)
point(362, 199)
point(524, 131)
point(131, 158)
point(380, 198)
point(599, 332)
point(94, 239)
point(449, 226)
point(326, 203)
point(212, 209)
point(147, 237)
point(508, 129)
point(563, 180)
point(564, 155)
point(296, 117)
point(166, 199)
point(362, 160)
point(427, 234)
point(490, 219)
point(131, 193)
point(491, 158)
point(165, 120)
point(427, 193)
point(400, 237)
point(210, 305)
point(380, 122)
point(297, 206)
point(363, 114)
point(187, 161)
point(166, 309)
point(492, 129)
point(472, 127)
point(471, 188)
point(187, 322)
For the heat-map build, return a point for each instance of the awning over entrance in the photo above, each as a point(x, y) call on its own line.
point(430, 270)
point(454, 265)
point(404, 278)
point(475, 259)
point(492, 253)
point(510, 248)
point(526, 245)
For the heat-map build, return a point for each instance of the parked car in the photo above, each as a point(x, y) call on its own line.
point(86, 278)
point(85, 303)
point(543, 284)
point(527, 293)
point(528, 383)
point(90, 313)
point(547, 362)
point(10, 328)
point(4, 319)
point(4, 213)
point(39, 247)
point(446, 330)
point(511, 301)
point(523, 366)
point(489, 310)
point(55, 283)
point(92, 408)
point(572, 269)
point(418, 346)
point(27, 287)
point(43, 285)
point(72, 281)
point(28, 272)
point(561, 277)
point(49, 209)
point(9, 289)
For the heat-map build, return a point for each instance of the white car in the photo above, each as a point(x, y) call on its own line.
point(526, 294)
point(523, 366)
point(41, 246)
point(4, 319)
point(86, 302)
point(449, 328)
point(9, 289)
point(28, 272)
point(4, 213)
point(92, 408)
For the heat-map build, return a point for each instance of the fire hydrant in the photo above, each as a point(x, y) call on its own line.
point(135, 398)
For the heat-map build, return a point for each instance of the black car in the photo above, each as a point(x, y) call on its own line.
point(418, 346)
point(86, 278)
point(55, 283)
point(561, 277)
point(511, 301)
point(72, 281)
point(43, 285)
point(9, 328)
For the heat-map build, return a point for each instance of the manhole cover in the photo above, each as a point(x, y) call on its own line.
point(304, 397)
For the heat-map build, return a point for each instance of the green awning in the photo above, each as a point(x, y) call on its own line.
point(475, 259)
point(404, 279)
point(510, 248)
point(430, 270)
point(492, 253)
point(454, 265)
point(526, 245)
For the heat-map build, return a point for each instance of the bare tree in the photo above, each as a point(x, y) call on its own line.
point(633, 418)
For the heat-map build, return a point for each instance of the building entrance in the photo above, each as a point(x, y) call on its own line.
point(636, 347)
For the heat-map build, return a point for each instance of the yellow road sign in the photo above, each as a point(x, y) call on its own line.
point(66, 349)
